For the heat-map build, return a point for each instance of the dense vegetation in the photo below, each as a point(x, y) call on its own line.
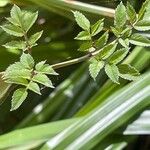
point(74, 93)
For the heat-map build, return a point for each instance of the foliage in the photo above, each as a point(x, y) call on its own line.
point(80, 113)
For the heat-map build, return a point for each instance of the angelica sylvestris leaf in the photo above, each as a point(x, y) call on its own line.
point(138, 39)
point(13, 30)
point(142, 25)
point(118, 56)
point(124, 43)
point(120, 16)
point(102, 40)
point(18, 98)
point(23, 73)
point(15, 45)
point(16, 16)
point(107, 50)
point(42, 79)
point(112, 72)
point(143, 10)
point(41, 67)
point(81, 20)
point(34, 87)
point(83, 35)
point(131, 13)
point(115, 31)
point(128, 72)
point(27, 61)
point(95, 67)
point(97, 27)
point(17, 80)
point(35, 37)
point(29, 19)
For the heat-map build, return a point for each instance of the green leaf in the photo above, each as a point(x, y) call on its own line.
point(41, 67)
point(81, 20)
point(43, 79)
point(138, 39)
point(112, 72)
point(128, 72)
point(120, 16)
point(29, 19)
point(85, 46)
point(124, 43)
point(95, 67)
point(16, 16)
point(15, 66)
point(118, 56)
point(17, 80)
point(107, 50)
point(142, 25)
point(27, 61)
point(15, 45)
point(126, 32)
point(102, 40)
point(97, 27)
point(143, 10)
point(115, 31)
point(83, 35)
point(34, 87)
point(23, 73)
point(18, 98)
point(13, 30)
point(35, 37)
point(131, 13)
point(22, 19)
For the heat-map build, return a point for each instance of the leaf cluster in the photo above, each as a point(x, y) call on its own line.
point(110, 55)
point(25, 73)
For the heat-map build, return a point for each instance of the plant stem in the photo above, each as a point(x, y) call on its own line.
point(76, 60)
point(27, 42)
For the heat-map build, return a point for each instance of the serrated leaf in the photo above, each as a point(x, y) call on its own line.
point(43, 79)
point(35, 37)
point(15, 66)
point(18, 98)
point(34, 87)
point(41, 67)
point(128, 72)
point(107, 50)
point(13, 30)
point(131, 13)
point(138, 39)
point(102, 40)
point(124, 43)
point(29, 19)
point(142, 25)
point(82, 21)
point(27, 61)
point(85, 46)
point(95, 67)
point(15, 45)
point(83, 35)
point(23, 73)
point(143, 10)
point(17, 80)
point(120, 16)
point(112, 72)
point(126, 32)
point(115, 31)
point(118, 56)
point(22, 19)
point(97, 27)
point(16, 16)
